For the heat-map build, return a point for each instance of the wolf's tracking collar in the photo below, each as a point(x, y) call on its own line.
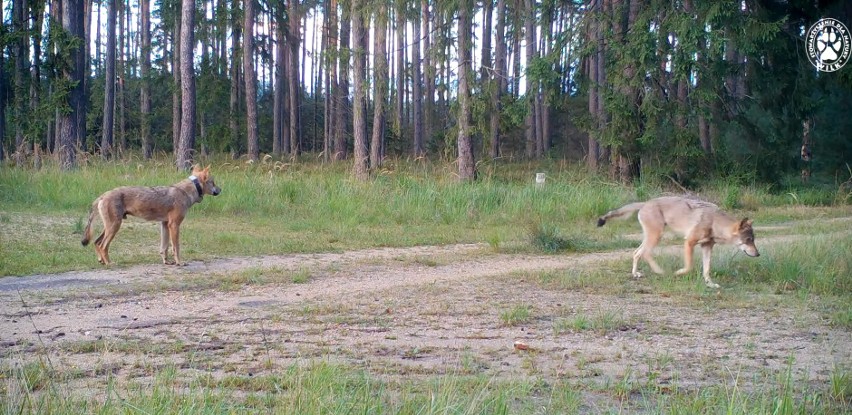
point(194, 181)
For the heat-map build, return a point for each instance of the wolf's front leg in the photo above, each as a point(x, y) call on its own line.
point(706, 251)
point(164, 243)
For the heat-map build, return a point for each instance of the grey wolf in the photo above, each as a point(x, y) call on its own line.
point(700, 223)
point(165, 204)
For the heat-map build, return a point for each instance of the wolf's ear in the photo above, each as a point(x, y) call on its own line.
point(745, 223)
point(196, 168)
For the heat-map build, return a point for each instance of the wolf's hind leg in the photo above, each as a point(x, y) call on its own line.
point(688, 247)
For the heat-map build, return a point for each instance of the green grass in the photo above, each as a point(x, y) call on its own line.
point(322, 387)
point(516, 315)
point(599, 322)
point(275, 208)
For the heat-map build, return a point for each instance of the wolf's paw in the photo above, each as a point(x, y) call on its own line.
point(637, 274)
point(711, 284)
point(829, 45)
point(682, 271)
point(168, 262)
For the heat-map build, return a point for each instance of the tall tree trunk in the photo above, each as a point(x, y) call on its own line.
point(20, 24)
point(295, 42)
point(3, 93)
point(359, 112)
point(82, 129)
point(124, 11)
point(98, 38)
point(236, 79)
point(625, 157)
point(416, 92)
point(467, 166)
point(342, 105)
point(55, 73)
point(187, 86)
point(176, 77)
point(516, 49)
point(486, 65)
point(280, 79)
point(38, 9)
point(399, 119)
point(330, 65)
point(317, 82)
point(597, 77)
point(251, 81)
point(72, 22)
point(380, 86)
point(547, 86)
point(533, 146)
point(109, 85)
point(145, 87)
point(498, 80)
point(429, 75)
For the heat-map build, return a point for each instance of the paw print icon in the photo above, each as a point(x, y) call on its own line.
point(828, 45)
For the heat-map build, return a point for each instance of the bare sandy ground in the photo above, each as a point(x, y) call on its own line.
point(405, 312)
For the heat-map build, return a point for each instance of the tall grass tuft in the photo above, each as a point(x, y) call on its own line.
point(546, 238)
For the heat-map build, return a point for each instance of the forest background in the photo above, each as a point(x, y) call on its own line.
point(673, 89)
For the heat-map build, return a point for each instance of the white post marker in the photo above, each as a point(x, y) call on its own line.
point(539, 179)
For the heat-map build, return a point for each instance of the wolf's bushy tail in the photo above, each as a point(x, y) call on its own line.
point(87, 233)
point(620, 212)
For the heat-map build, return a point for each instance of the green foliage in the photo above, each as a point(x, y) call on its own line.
point(547, 239)
point(516, 315)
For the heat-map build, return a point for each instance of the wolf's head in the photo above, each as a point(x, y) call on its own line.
point(744, 237)
point(208, 185)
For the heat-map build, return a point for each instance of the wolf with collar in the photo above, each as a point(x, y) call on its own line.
point(165, 204)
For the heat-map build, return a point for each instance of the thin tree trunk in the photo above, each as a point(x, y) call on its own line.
point(20, 19)
point(109, 81)
point(498, 80)
point(380, 86)
point(317, 82)
point(35, 76)
point(546, 92)
point(222, 35)
point(145, 87)
point(359, 112)
point(416, 92)
point(123, 71)
point(342, 106)
point(187, 85)
point(533, 146)
point(72, 22)
point(82, 129)
point(330, 65)
point(485, 66)
point(429, 76)
point(98, 38)
point(399, 120)
point(234, 101)
point(467, 166)
point(176, 76)
point(516, 49)
point(3, 93)
point(251, 80)
point(55, 74)
point(278, 93)
point(295, 42)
